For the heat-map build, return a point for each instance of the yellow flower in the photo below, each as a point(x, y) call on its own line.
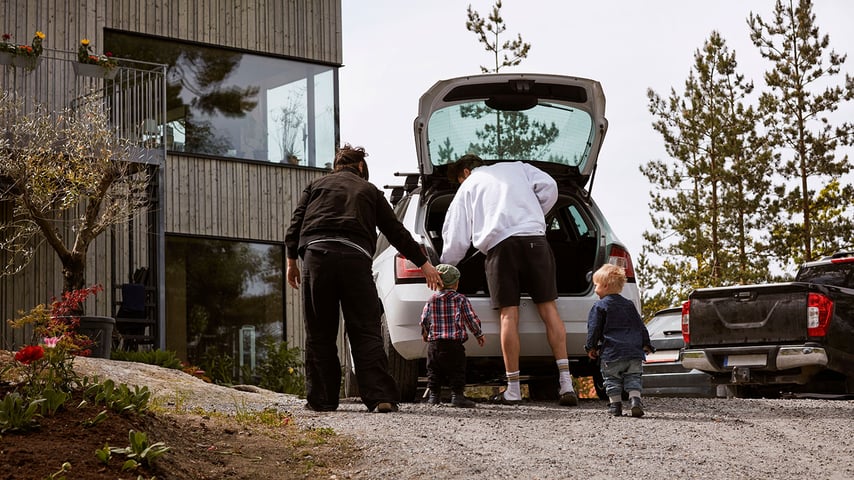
point(40, 34)
point(290, 369)
point(84, 42)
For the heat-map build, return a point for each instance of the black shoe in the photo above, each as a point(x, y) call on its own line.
point(500, 399)
point(568, 399)
point(616, 409)
point(637, 407)
point(435, 397)
point(386, 407)
point(460, 400)
point(321, 408)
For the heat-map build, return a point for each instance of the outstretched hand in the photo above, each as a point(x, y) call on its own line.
point(434, 279)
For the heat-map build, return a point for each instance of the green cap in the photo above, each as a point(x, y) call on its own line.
point(450, 274)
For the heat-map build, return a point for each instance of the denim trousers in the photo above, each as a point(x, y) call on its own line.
point(622, 375)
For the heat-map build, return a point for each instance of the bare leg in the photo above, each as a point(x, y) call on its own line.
point(510, 337)
point(555, 330)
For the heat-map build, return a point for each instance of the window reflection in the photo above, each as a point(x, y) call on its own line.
point(224, 303)
point(226, 103)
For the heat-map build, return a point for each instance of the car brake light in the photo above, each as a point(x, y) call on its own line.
point(686, 330)
point(819, 310)
point(620, 257)
point(406, 271)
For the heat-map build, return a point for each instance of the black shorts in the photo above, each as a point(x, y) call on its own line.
point(521, 265)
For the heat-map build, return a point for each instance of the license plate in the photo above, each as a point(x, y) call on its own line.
point(755, 360)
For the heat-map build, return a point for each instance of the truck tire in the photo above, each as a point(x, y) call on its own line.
point(404, 372)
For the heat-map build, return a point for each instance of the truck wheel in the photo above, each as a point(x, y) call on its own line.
point(404, 372)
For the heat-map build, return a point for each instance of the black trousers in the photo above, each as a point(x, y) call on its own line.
point(446, 365)
point(337, 276)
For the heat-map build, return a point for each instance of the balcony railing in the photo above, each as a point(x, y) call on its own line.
point(133, 94)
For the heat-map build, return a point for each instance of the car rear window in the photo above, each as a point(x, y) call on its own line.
point(547, 132)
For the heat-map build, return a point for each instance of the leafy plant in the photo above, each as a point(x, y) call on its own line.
point(140, 452)
point(85, 55)
point(282, 369)
point(219, 367)
point(104, 454)
point(53, 400)
point(17, 414)
point(119, 398)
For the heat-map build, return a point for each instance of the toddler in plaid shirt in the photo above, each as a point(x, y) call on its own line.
point(443, 326)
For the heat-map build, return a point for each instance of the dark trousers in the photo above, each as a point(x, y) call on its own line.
point(333, 276)
point(446, 365)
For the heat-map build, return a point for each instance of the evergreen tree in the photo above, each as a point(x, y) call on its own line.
point(707, 202)
point(488, 31)
point(795, 108)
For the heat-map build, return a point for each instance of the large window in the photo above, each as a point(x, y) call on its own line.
point(234, 104)
point(224, 303)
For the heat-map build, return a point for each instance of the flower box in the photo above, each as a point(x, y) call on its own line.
point(27, 63)
point(97, 71)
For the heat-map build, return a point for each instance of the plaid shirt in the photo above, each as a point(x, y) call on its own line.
point(446, 316)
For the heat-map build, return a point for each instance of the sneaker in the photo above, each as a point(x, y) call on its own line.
point(637, 407)
point(460, 400)
point(387, 407)
point(568, 399)
point(616, 409)
point(321, 408)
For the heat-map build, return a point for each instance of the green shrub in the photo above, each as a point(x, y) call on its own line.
point(282, 369)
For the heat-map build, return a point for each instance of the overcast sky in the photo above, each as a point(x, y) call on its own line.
point(395, 50)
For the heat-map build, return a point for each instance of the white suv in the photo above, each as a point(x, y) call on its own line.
point(556, 123)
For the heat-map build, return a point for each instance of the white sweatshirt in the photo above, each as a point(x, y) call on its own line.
point(496, 202)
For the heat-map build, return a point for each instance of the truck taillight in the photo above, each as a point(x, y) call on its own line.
point(406, 271)
point(686, 330)
point(819, 312)
point(620, 257)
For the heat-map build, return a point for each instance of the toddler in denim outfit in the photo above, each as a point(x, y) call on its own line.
point(617, 336)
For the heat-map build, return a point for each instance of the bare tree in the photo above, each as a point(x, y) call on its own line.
point(67, 177)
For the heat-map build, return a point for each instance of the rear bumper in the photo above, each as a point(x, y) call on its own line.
point(772, 358)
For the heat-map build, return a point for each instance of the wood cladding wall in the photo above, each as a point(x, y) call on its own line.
point(203, 196)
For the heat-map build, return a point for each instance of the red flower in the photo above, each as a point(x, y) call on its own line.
point(29, 354)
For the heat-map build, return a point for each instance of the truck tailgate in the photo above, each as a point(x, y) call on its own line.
point(749, 314)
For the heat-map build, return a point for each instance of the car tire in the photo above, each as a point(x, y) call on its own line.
point(599, 383)
point(351, 385)
point(404, 372)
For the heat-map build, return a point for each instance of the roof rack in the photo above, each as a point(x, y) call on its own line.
point(409, 184)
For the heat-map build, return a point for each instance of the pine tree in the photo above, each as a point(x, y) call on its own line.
point(707, 201)
point(795, 109)
point(489, 34)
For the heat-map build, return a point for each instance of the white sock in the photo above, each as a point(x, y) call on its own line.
point(513, 392)
point(634, 393)
point(616, 399)
point(565, 377)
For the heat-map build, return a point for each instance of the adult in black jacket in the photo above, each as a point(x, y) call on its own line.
point(334, 231)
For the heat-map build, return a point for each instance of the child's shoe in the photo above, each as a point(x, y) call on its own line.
point(616, 409)
point(637, 407)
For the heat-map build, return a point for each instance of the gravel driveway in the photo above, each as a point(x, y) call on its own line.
point(677, 438)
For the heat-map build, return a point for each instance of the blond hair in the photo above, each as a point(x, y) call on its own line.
point(611, 278)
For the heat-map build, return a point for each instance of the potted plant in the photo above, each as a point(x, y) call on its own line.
point(68, 178)
point(91, 65)
point(17, 55)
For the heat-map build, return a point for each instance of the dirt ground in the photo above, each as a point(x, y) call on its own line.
point(216, 432)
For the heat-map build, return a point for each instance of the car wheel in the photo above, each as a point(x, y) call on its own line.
point(404, 372)
point(543, 390)
point(599, 384)
point(351, 385)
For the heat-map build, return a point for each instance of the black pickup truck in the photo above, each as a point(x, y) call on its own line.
point(767, 340)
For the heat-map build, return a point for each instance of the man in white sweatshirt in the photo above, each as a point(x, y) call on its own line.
point(500, 209)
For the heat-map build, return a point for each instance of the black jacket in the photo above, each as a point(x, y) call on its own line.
point(343, 205)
